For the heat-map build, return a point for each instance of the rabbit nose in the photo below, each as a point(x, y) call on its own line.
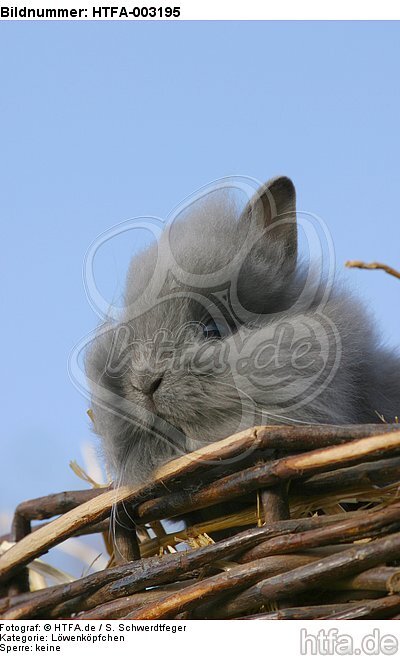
point(150, 386)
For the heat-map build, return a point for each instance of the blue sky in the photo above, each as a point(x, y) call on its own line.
point(104, 121)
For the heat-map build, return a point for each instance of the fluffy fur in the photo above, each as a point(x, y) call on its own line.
point(222, 329)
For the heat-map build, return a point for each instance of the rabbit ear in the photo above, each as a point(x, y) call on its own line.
point(274, 207)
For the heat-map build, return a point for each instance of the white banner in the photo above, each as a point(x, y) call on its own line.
point(133, 10)
point(327, 638)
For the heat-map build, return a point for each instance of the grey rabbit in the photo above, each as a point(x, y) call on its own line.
point(224, 327)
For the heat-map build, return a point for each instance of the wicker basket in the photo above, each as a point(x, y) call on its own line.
point(281, 523)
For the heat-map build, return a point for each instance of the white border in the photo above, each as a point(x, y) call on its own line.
point(216, 10)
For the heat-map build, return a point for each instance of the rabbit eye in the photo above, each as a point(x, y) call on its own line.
point(214, 330)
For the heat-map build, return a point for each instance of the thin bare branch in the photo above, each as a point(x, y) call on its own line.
point(373, 265)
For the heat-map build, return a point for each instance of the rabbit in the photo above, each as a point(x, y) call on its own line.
point(224, 327)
